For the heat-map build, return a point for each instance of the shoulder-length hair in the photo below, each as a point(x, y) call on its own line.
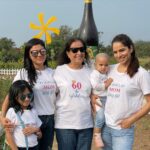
point(17, 88)
point(64, 59)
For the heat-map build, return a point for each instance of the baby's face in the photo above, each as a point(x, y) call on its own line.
point(101, 65)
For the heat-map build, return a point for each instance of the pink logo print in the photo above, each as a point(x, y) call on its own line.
point(76, 85)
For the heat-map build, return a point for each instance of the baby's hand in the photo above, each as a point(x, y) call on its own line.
point(108, 82)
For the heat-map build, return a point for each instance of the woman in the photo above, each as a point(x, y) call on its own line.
point(131, 83)
point(40, 77)
point(73, 120)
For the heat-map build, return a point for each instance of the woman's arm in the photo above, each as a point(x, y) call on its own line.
point(126, 123)
point(5, 122)
point(10, 140)
point(5, 106)
point(94, 102)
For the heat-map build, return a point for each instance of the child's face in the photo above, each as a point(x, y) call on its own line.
point(101, 64)
point(24, 98)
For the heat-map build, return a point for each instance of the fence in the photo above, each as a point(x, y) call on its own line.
point(8, 73)
point(13, 72)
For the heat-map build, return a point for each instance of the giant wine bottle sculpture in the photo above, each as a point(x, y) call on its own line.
point(88, 31)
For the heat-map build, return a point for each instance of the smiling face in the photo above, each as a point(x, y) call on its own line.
point(38, 61)
point(76, 56)
point(122, 53)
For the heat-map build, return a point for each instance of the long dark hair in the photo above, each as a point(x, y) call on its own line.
point(28, 64)
point(134, 62)
point(63, 58)
point(18, 87)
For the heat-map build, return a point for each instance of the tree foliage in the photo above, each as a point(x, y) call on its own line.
point(9, 53)
point(6, 44)
point(56, 47)
point(142, 48)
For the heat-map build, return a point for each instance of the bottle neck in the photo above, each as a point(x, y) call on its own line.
point(88, 12)
point(88, 31)
point(87, 1)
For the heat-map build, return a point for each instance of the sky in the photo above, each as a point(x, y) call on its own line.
point(112, 17)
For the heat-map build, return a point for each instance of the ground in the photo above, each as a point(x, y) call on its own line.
point(142, 135)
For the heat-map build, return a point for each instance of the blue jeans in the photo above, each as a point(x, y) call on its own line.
point(47, 128)
point(72, 139)
point(118, 139)
point(100, 117)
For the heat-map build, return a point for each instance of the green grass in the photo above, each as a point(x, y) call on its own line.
point(4, 87)
point(145, 62)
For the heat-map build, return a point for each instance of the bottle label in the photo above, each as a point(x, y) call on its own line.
point(88, 1)
point(92, 51)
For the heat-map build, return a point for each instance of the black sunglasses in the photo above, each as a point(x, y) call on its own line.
point(35, 53)
point(23, 96)
point(76, 49)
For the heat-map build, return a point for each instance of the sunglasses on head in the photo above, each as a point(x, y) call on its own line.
point(24, 96)
point(35, 53)
point(76, 49)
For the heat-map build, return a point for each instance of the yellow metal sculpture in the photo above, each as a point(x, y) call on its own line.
point(44, 28)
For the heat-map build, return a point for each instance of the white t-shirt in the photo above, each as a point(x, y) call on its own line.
point(97, 81)
point(73, 108)
point(44, 90)
point(125, 95)
point(29, 117)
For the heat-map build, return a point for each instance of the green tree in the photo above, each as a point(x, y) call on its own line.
point(56, 47)
point(142, 48)
point(6, 44)
point(12, 55)
point(65, 32)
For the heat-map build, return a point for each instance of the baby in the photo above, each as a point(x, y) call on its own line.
point(100, 83)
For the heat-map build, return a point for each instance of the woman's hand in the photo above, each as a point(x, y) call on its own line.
point(94, 102)
point(39, 134)
point(7, 124)
point(126, 123)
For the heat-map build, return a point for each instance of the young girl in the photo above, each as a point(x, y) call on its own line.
point(25, 119)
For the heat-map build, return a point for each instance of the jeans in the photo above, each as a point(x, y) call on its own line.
point(118, 139)
point(72, 139)
point(100, 117)
point(47, 128)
